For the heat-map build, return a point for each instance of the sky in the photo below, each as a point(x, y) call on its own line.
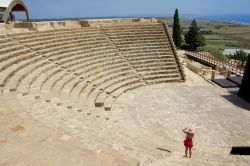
point(132, 8)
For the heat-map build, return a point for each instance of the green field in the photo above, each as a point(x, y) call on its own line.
point(222, 44)
point(220, 35)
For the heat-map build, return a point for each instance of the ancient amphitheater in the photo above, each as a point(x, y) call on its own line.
point(109, 92)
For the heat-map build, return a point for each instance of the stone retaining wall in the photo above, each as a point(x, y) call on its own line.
point(52, 25)
point(199, 68)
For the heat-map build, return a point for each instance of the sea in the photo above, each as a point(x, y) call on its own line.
point(238, 19)
point(242, 19)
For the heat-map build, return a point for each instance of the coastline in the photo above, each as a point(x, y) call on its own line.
point(234, 19)
point(245, 20)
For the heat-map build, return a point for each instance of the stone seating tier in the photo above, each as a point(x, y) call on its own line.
point(75, 62)
point(98, 84)
point(40, 65)
point(89, 66)
point(70, 45)
point(84, 72)
point(50, 38)
point(27, 35)
point(12, 54)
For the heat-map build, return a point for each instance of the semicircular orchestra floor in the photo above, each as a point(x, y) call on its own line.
point(146, 124)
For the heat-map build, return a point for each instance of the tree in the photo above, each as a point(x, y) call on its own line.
point(240, 56)
point(244, 91)
point(177, 30)
point(193, 38)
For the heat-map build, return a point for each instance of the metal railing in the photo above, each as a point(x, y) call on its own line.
point(226, 64)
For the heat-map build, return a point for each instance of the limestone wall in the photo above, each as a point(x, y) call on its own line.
point(198, 68)
point(52, 25)
point(47, 25)
point(120, 21)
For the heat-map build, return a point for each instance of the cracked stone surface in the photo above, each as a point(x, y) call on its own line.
point(143, 128)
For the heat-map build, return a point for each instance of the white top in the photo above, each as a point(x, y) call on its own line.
point(5, 3)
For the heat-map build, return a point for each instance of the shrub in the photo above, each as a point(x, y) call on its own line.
point(240, 56)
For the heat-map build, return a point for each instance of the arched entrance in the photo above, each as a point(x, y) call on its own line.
point(10, 6)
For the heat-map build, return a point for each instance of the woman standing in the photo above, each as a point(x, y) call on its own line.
point(188, 142)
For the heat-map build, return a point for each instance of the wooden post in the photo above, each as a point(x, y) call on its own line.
point(228, 73)
point(213, 75)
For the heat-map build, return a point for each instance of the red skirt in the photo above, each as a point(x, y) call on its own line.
point(188, 143)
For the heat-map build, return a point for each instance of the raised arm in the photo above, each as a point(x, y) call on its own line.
point(184, 131)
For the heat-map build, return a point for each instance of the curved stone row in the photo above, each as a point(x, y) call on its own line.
point(85, 67)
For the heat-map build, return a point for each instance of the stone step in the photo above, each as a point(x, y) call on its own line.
point(10, 74)
point(139, 39)
point(121, 84)
point(69, 58)
point(156, 72)
point(14, 47)
point(99, 87)
point(133, 53)
point(101, 97)
point(4, 38)
point(87, 75)
point(132, 43)
point(150, 57)
point(26, 35)
point(55, 46)
point(102, 77)
point(7, 42)
point(144, 44)
point(111, 99)
point(81, 51)
point(52, 72)
point(140, 46)
point(15, 60)
point(76, 87)
point(12, 54)
point(47, 39)
point(77, 46)
point(62, 59)
point(41, 69)
point(150, 61)
point(164, 80)
point(137, 26)
point(135, 36)
point(132, 28)
point(57, 89)
point(159, 75)
point(145, 49)
point(84, 74)
point(132, 34)
point(154, 64)
point(34, 43)
point(81, 74)
point(155, 68)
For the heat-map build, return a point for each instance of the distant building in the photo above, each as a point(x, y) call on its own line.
point(232, 51)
